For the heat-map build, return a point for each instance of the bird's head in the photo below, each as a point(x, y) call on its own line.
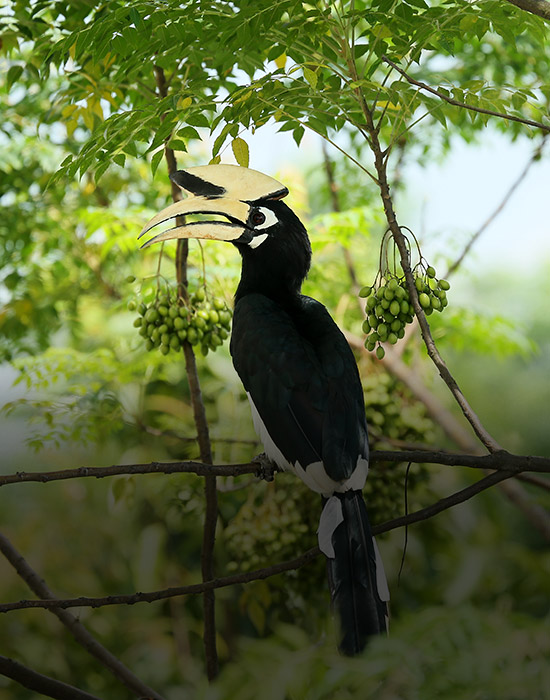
point(244, 207)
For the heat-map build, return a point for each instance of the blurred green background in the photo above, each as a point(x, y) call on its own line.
point(470, 610)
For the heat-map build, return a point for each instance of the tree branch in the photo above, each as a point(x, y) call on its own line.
point(44, 685)
point(75, 627)
point(496, 460)
point(535, 7)
point(380, 164)
point(457, 103)
point(260, 574)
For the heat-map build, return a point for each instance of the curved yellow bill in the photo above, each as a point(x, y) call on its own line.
point(223, 190)
point(235, 210)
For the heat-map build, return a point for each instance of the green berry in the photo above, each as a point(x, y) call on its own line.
point(131, 305)
point(365, 292)
point(380, 352)
point(137, 322)
point(430, 271)
point(165, 349)
point(395, 307)
point(424, 300)
point(130, 279)
point(151, 315)
point(142, 309)
point(366, 326)
point(444, 285)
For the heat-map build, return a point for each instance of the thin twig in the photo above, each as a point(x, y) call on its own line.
point(40, 683)
point(39, 587)
point(457, 103)
point(536, 155)
point(154, 596)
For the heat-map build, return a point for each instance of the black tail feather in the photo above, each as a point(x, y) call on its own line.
point(352, 577)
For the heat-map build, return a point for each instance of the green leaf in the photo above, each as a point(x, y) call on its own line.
point(298, 134)
point(310, 76)
point(155, 160)
point(14, 73)
point(240, 151)
point(177, 145)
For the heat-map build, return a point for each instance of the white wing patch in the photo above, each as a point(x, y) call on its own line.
point(314, 475)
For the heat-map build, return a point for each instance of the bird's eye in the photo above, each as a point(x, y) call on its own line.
point(257, 218)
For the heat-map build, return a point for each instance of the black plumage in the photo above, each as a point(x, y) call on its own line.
point(302, 379)
point(299, 373)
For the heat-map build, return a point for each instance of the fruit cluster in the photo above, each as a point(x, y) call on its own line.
point(168, 322)
point(389, 307)
point(393, 414)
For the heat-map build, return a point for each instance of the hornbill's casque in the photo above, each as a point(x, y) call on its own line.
point(299, 373)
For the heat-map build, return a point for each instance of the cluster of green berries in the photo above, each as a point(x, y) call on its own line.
point(168, 322)
point(393, 414)
point(389, 307)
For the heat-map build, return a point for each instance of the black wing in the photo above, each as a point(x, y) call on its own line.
point(303, 380)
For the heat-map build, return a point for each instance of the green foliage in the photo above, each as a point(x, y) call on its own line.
point(92, 93)
point(458, 652)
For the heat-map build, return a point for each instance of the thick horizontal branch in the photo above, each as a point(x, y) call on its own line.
point(129, 469)
point(152, 596)
point(44, 685)
point(497, 460)
point(535, 7)
point(463, 105)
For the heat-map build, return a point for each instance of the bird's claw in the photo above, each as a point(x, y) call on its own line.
point(266, 467)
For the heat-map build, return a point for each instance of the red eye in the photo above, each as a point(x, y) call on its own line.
point(257, 218)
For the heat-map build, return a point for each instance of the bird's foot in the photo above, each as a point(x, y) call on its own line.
point(266, 467)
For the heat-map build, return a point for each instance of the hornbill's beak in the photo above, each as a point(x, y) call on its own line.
point(229, 191)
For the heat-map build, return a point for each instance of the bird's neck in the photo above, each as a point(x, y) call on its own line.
point(278, 278)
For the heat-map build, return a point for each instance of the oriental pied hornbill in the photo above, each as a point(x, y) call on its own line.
point(299, 373)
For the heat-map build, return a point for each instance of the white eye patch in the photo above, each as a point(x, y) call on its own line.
point(270, 218)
